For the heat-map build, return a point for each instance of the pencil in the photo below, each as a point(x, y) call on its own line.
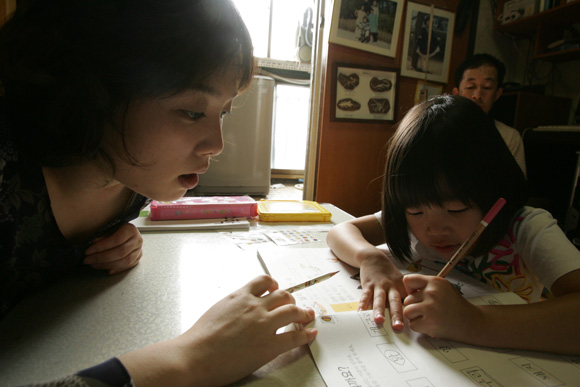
point(311, 282)
point(464, 248)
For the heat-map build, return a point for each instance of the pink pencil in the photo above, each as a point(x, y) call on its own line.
point(464, 248)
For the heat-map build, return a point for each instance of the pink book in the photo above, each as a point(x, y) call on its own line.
point(205, 207)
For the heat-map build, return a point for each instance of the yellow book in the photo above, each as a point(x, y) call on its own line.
point(292, 211)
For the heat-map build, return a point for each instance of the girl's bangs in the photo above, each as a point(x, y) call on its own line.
point(428, 186)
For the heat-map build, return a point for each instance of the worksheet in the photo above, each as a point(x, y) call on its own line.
point(351, 350)
point(341, 293)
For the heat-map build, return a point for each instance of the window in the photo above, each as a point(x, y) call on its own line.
point(290, 127)
point(281, 30)
point(278, 27)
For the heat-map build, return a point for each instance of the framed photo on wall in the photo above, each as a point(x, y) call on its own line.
point(426, 56)
point(426, 90)
point(363, 93)
point(369, 25)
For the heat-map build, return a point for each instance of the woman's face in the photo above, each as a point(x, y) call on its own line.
point(443, 229)
point(173, 139)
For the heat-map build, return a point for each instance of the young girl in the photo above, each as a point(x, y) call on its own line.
point(107, 103)
point(360, 14)
point(446, 166)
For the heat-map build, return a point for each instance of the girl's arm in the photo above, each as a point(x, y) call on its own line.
point(354, 242)
point(435, 308)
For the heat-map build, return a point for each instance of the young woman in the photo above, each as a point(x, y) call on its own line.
point(107, 103)
point(446, 167)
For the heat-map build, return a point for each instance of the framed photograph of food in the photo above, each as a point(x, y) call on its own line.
point(369, 25)
point(427, 43)
point(363, 93)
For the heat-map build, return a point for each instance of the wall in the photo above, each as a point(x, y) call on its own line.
point(562, 79)
point(351, 155)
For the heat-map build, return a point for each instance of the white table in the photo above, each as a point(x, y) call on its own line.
point(88, 317)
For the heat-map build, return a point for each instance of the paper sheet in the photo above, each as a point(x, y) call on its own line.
point(351, 350)
point(291, 266)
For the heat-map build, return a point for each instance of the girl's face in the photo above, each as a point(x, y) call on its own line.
point(173, 138)
point(443, 229)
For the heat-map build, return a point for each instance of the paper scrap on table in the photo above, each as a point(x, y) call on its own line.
point(290, 237)
point(250, 240)
point(255, 239)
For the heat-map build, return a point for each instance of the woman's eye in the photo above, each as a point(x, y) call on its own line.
point(194, 115)
point(224, 113)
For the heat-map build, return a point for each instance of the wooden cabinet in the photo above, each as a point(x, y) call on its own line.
point(547, 27)
point(522, 110)
point(6, 8)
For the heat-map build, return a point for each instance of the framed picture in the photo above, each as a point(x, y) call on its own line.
point(369, 25)
point(426, 90)
point(363, 93)
point(426, 56)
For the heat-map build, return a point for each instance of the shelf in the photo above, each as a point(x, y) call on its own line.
point(560, 56)
point(563, 14)
point(523, 109)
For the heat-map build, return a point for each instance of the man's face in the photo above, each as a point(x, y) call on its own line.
point(480, 85)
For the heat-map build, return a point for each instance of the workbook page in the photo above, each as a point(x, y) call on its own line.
point(341, 293)
point(351, 350)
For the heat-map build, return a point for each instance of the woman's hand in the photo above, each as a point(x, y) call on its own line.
point(436, 308)
point(117, 252)
point(382, 281)
point(231, 340)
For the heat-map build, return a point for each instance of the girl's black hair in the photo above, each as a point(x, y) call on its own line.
point(447, 148)
point(69, 68)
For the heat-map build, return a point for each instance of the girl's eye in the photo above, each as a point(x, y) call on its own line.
point(459, 211)
point(194, 115)
point(224, 113)
point(414, 212)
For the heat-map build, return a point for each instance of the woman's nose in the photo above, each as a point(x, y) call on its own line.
point(213, 144)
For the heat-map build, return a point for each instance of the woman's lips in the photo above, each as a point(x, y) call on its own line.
point(189, 181)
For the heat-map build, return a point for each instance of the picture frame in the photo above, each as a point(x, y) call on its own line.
point(348, 27)
point(363, 93)
point(426, 90)
point(419, 62)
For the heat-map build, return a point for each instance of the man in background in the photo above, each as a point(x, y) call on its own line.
point(479, 78)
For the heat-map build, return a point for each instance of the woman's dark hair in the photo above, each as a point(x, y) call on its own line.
point(69, 67)
point(448, 149)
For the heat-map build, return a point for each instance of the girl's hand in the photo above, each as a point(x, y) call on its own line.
point(117, 252)
point(238, 334)
point(436, 308)
point(382, 281)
